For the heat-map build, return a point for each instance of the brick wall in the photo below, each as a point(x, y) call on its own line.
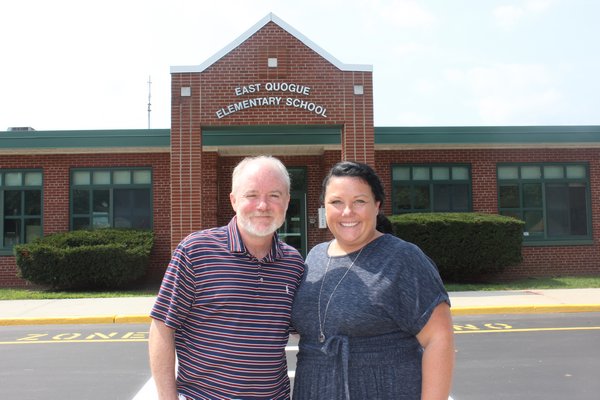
point(56, 170)
point(213, 89)
point(537, 261)
point(186, 158)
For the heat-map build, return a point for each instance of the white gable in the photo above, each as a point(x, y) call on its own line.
point(271, 17)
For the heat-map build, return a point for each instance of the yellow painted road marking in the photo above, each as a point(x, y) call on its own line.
point(133, 337)
point(511, 330)
point(526, 309)
point(79, 337)
point(79, 341)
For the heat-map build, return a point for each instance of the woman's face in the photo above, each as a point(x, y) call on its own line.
point(351, 212)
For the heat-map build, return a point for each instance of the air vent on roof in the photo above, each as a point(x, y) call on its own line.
point(20, 129)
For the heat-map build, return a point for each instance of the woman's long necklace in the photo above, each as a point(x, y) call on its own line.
point(322, 324)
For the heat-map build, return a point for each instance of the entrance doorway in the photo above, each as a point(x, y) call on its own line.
point(293, 230)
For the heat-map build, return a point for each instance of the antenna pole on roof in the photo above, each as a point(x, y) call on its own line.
point(149, 97)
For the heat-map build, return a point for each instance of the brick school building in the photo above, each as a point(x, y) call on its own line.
point(274, 91)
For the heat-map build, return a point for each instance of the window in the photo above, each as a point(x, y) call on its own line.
point(116, 198)
point(21, 198)
point(431, 188)
point(552, 199)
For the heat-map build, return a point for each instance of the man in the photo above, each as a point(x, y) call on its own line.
point(223, 310)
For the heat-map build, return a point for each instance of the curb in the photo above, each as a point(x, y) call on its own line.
point(98, 319)
point(526, 309)
point(143, 319)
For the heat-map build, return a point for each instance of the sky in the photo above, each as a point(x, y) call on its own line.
point(86, 64)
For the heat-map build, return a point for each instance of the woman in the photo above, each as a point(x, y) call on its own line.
point(372, 312)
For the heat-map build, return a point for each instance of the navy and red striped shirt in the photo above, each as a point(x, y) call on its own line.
point(231, 315)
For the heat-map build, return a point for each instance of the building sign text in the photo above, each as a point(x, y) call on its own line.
point(269, 88)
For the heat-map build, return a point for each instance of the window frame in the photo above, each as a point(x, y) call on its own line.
point(431, 183)
point(544, 238)
point(111, 186)
point(22, 217)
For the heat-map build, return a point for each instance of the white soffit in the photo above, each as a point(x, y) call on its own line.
point(275, 150)
point(271, 17)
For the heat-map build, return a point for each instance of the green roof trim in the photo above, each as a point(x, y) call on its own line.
point(488, 134)
point(271, 135)
point(290, 135)
point(85, 138)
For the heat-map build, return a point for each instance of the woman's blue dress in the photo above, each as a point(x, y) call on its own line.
point(370, 349)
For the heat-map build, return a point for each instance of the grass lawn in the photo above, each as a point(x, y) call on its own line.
point(32, 294)
point(565, 282)
point(531, 283)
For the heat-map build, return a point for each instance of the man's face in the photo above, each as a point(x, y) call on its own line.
point(260, 201)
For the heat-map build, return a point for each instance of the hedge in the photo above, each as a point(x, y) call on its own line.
point(464, 246)
point(86, 259)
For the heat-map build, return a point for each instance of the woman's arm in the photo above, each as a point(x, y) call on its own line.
point(437, 339)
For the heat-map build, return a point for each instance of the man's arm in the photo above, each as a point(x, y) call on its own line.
point(161, 348)
point(437, 339)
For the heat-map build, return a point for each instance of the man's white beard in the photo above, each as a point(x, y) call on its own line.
point(246, 223)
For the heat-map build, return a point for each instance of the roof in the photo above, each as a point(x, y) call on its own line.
point(300, 139)
point(246, 35)
point(86, 141)
point(559, 136)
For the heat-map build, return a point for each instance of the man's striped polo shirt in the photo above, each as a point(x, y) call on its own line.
point(231, 315)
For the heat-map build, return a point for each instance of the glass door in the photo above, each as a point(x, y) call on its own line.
point(293, 230)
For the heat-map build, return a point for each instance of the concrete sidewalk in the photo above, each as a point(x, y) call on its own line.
point(136, 309)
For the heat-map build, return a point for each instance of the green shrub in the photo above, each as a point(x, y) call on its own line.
point(96, 259)
point(464, 246)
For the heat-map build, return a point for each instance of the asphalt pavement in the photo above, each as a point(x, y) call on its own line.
point(136, 309)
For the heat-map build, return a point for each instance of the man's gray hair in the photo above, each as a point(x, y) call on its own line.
point(275, 162)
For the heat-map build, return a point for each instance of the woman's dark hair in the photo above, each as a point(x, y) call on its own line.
point(365, 173)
